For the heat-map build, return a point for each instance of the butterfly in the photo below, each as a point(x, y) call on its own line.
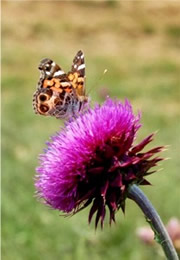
point(60, 94)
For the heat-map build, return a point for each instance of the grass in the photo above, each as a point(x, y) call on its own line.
point(138, 45)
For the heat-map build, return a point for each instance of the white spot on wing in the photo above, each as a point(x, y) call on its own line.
point(65, 84)
point(53, 64)
point(82, 56)
point(48, 72)
point(58, 73)
point(82, 66)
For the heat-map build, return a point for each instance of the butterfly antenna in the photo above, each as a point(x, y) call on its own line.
point(98, 81)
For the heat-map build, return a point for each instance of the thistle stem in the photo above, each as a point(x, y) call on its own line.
point(161, 235)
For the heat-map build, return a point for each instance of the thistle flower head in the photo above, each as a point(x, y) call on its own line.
point(92, 161)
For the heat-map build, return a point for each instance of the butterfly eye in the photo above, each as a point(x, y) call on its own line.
point(44, 108)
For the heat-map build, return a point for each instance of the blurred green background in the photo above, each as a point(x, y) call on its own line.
point(139, 44)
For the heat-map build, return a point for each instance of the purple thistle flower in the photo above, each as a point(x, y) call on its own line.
point(92, 161)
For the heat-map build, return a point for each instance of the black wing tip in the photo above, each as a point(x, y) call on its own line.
point(43, 62)
point(80, 52)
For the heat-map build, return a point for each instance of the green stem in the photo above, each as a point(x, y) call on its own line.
point(161, 235)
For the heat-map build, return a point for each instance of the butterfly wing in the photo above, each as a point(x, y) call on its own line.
point(54, 90)
point(77, 74)
point(50, 69)
point(59, 94)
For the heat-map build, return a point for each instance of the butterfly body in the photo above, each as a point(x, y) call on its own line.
point(58, 93)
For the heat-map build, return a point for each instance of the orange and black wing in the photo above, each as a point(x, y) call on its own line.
point(77, 74)
point(54, 89)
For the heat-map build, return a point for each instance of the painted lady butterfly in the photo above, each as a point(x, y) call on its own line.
point(59, 94)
